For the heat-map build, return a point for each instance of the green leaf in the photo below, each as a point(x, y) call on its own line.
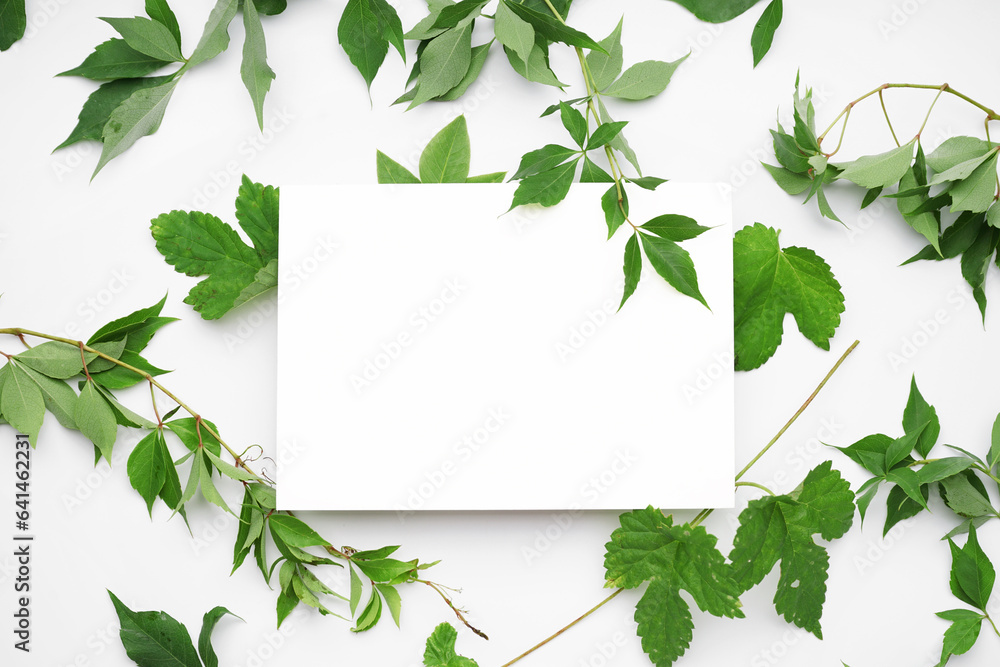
point(199, 244)
point(495, 177)
point(962, 170)
point(619, 143)
point(975, 192)
point(440, 649)
point(551, 29)
point(514, 32)
point(574, 122)
point(716, 11)
point(647, 182)
point(909, 483)
point(254, 70)
point(592, 173)
point(781, 528)
point(548, 157)
point(674, 227)
point(213, 616)
point(770, 282)
point(287, 602)
point(385, 569)
point(674, 265)
point(916, 415)
point(882, 170)
point(973, 572)
point(443, 63)
point(59, 397)
point(146, 473)
point(446, 157)
point(869, 452)
point(763, 31)
point(865, 494)
point(208, 489)
point(479, 55)
point(547, 188)
point(453, 14)
point(21, 402)
point(902, 447)
point(154, 638)
point(115, 59)
point(365, 31)
point(160, 11)
point(535, 68)
point(94, 417)
point(389, 171)
point(993, 457)
point(607, 65)
point(788, 180)
point(123, 326)
point(13, 22)
point(295, 532)
point(98, 107)
point(956, 150)
point(899, 505)
point(925, 223)
point(53, 359)
point(138, 116)
point(963, 498)
point(963, 632)
point(230, 470)
point(113, 349)
point(789, 155)
point(644, 80)
point(664, 623)
point(614, 210)
point(372, 612)
point(171, 492)
point(940, 469)
point(357, 588)
point(147, 36)
point(605, 133)
point(392, 599)
point(188, 430)
point(215, 36)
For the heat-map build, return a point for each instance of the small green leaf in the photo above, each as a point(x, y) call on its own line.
point(545, 158)
point(147, 36)
point(212, 617)
point(392, 599)
point(123, 326)
point(295, 532)
point(59, 397)
point(965, 499)
point(763, 31)
point(632, 267)
point(194, 435)
point(21, 402)
point(365, 30)
point(440, 649)
point(535, 68)
point(138, 116)
point(644, 80)
point(909, 483)
point(495, 177)
point(574, 122)
point(514, 32)
point(956, 150)
point(592, 173)
point(714, 11)
point(479, 55)
point(551, 29)
point(547, 188)
point(391, 172)
point(13, 22)
point(357, 588)
point(917, 414)
point(606, 66)
point(443, 63)
point(254, 70)
point(674, 227)
point(53, 359)
point(230, 470)
point(976, 191)
point(215, 36)
point(98, 107)
point(146, 472)
point(939, 469)
point(963, 632)
point(664, 623)
point(115, 59)
point(869, 453)
point(604, 134)
point(615, 211)
point(883, 170)
point(993, 457)
point(973, 572)
point(674, 265)
point(789, 155)
point(788, 180)
point(446, 157)
point(370, 616)
point(94, 417)
point(385, 569)
point(160, 11)
point(154, 637)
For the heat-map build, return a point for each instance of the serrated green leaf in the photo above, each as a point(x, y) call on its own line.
point(212, 617)
point(956, 150)
point(440, 649)
point(768, 283)
point(615, 210)
point(98, 107)
point(965, 499)
point(215, 36)
point(574, 122)
point(900, 506)
point(145, 468)
point(254, 70)
point(869, 453)
point(664, 623)
point(94, 417)
point(973, 572)
point(962, 634)
point(389, 171)
point(545, 158)
point(674, 227)
point(902, 446)
point(604, 134)
point(295, 532)
point(514, 32)
point(138, 116)
point(644, 80)
point(882, 170)
point(148, 37)
point(909, 483)
point(115, 59)
point(154, 637)
point(366, 29)
point(674, 264)
point(788, 154)
point(716, 11)
point(918, 414)
point(535, 68)
point(21, 402)
point(546, 188)
point(446, 157)
point(605, 67)
point(549, 28)
point(13, 22)
point(976, 192)
point(788, 180)
point(444, 63)
point(763, 31)
point(160, 11)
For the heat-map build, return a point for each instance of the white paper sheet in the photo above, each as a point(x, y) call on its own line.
point(437, 355)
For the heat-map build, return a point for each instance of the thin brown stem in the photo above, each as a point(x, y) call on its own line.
point(564, 628)
point(458, 612)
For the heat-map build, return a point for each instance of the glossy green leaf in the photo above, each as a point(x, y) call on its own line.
point(13, 22)
point(446, 157)
point(763, 31)
point(366, 29)
point(591, 172)
point(574, 122)
point(789, 181)
point(673, 227)
point(211, 618)
point(154, 638)
point(674, 264)
point(919, 414)
point(604, 134)
point(146, 471)
point(550, 28)
point(545, 158)
point(295, 532)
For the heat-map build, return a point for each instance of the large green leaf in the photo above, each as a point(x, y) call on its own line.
point(366, 29)
point(154, 638)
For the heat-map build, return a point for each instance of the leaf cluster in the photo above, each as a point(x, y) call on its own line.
point(130, 104)
point(445, 159)
point(949, 196)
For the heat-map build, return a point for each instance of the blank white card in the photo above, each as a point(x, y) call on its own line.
point(435, 353)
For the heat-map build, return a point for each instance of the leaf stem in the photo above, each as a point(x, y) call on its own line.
point(757, 486)
point(929, 110)
point(458, 612)
point(565, 628)
point(987, 617)
point(843, 131)
point(885, 113)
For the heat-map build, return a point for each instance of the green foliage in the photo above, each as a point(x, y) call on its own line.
point(649, 547)
point(763, 31)
point(445, 159)
point(769, 282)
point(366, 29)
point(440, 651)
point(720, 11)
point(154, 638)
point(781, 528)
point(959, 177)
point(199, 244)
point(131, 105)
point(13, 22)
point(972, 579)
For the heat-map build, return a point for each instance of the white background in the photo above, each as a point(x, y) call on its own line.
point(66, 242)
